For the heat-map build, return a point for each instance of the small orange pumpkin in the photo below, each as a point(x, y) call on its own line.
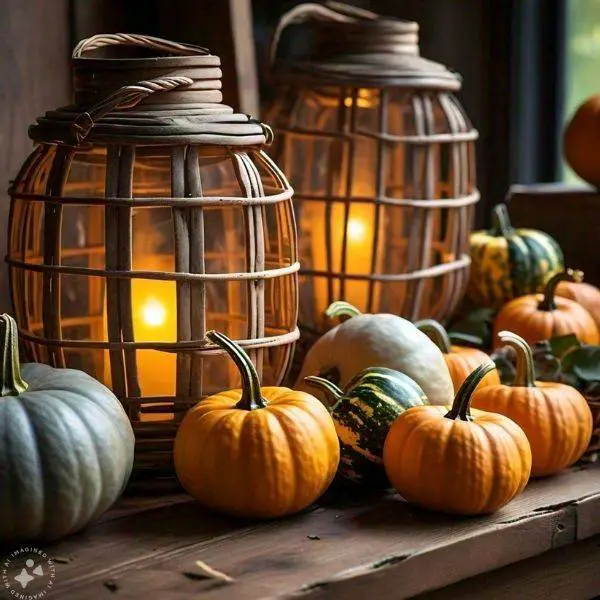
point(586, 294)
point(461, 361)
point(457, 461)
point(256, 452)
point(580, 141)
point(535, 317)
point(555, 417)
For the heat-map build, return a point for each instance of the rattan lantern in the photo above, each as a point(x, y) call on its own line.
point(382, 159)
point(147, 214)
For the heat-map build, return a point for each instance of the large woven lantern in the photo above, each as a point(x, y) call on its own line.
point(147, 214)
point(382, 159)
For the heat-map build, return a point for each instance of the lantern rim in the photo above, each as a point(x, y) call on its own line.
point(203, 123)
point(359, 48)
point(159, 100)
point(363, 75)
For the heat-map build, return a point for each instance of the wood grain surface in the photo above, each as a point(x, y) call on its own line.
point(35, 75)
point(569, 213)
point(348, 546)
point(569, 573)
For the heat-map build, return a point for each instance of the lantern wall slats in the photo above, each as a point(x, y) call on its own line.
point(382, 157)
point(147, 227)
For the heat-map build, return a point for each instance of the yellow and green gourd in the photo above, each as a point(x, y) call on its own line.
point(363, 414)
point(507, 263)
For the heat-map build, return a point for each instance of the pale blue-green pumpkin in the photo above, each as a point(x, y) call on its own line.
point(66, 447)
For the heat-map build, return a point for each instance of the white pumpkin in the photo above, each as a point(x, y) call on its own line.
point(376, 340)
point(66, 447)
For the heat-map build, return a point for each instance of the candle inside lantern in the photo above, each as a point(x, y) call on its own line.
point(358, 228)
point(340, 237)
point(154, 316)
point(155, 320)
point(359, 251)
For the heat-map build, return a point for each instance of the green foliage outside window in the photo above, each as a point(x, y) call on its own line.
point(582, 61)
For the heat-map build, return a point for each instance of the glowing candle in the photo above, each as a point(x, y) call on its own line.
point(342, 236)
point(155, 320)
point(358, 252)
point(154, 312)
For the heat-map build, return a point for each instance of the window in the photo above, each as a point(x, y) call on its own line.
point(582, 64)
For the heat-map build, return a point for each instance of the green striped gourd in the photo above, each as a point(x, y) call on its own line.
point(363, 414)
point(507, 263)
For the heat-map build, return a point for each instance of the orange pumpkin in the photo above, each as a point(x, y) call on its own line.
point(535, 317)
point(580, 141)
point(583, 293)
point(256, 452)
point(461, 361)
point(457, 461)
point(555, 417)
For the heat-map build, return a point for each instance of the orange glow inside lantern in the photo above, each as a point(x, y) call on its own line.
point(148, 214)
point(355, 235)
point(384, 196)
point(85, 308)
point(382, 159)
point(154, 316)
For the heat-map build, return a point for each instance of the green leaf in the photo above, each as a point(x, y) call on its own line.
point(547, 365)
point(562, 344)
point(585, 363)
point(570, 379)
point(480, 315)
point(464, 339)
point(473, 329)
point(505, 364)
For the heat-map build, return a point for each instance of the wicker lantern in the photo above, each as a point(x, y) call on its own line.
point(147, 214)
point(382, 158)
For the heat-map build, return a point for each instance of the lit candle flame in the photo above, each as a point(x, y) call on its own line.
point(356, 230)
point(153, 313)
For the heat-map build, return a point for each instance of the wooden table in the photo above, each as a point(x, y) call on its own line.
point(346, 548)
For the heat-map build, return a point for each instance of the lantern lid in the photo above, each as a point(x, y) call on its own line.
point(167, 93)
point(359, 47)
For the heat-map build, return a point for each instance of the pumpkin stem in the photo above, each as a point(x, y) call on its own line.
point(251, 397)
point(501, 221)
point(11, 382)
point(340, 309)
point(462, 401)
point(436, 333)
point(550, 290)
point(331, 390)
point(525, 376)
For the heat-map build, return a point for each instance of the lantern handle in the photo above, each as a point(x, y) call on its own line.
point(330, 11)
point(126, 97)
point(144, 41)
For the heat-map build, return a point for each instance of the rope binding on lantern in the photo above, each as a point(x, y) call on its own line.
point(181, 104)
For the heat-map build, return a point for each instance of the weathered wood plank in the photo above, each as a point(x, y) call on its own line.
point(571, 572)
point(364, 547)
point(568, 213)
point(34, 69)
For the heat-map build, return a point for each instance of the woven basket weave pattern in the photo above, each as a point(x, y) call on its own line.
point(146, 228)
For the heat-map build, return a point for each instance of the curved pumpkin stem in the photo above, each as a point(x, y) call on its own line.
point(436, 333)
point(462, 401)
point(501, 221)
point(251, 396)
point(342, 309)
point(550, 290)
point(11, 382)
point(525, 376)
point(332, 391)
